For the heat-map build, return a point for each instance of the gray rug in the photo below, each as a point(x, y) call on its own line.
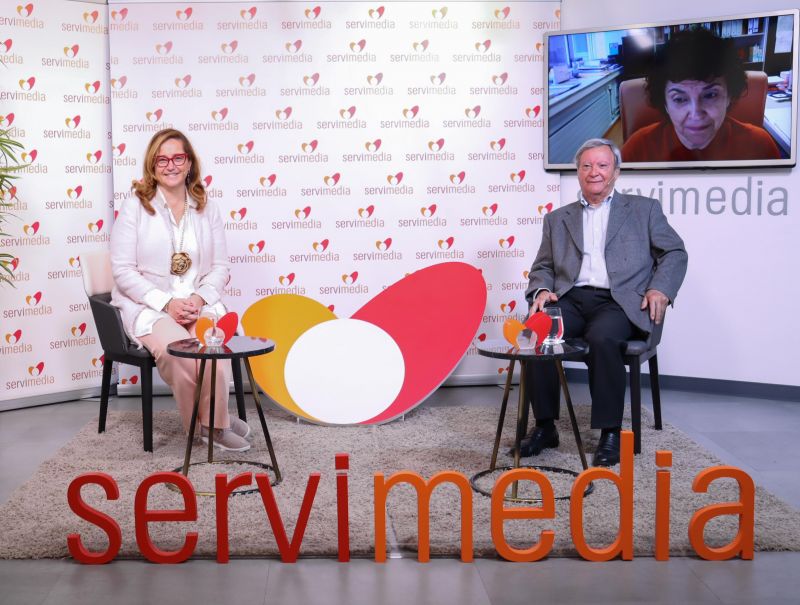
point(35, 521)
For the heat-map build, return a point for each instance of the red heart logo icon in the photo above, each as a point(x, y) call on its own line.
point(510, 306)
point(207, 180)
point(366, 212)
point(429, 211)
point(501, 79)
point(482, 336)
point(395, 179)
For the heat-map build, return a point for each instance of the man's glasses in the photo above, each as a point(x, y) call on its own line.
point(179, 159)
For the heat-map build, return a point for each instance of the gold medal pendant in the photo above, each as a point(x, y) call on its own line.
point(180, 263)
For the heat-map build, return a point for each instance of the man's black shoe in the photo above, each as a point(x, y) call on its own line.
point(607, 452)
point(539, 438)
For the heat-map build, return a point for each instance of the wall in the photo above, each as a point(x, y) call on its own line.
point(54, 98)
point(349, 143)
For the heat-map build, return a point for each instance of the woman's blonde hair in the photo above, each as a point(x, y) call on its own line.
point(145, 189)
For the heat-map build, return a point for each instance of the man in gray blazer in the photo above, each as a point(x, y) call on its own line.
point(612, 263)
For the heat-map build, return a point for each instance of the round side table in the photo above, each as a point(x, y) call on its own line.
point(238, 347)
point(572, 349)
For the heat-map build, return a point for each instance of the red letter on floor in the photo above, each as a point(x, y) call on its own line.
point(144, 516)
point(224, 488)
point(342, 507)
point(101, 520)
point(288, 552)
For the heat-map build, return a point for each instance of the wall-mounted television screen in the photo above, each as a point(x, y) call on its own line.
point(685, 94)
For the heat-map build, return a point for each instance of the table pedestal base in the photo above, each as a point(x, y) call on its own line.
point(522, 425)
point(193, 424)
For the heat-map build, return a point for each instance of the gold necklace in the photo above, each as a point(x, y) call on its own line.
point(180, 262)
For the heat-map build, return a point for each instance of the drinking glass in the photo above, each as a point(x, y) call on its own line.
point(214, 336)
point(556, 335)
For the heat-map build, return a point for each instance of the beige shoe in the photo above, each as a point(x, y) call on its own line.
point(241, 428)
point(225, 439)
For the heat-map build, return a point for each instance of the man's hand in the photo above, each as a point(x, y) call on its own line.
point(657, 302)
point(182, 310)
point(544, 297)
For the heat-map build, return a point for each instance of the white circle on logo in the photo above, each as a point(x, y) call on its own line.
point(344, 371)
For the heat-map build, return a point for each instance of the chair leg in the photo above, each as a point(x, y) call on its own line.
point(655, 389)
point(636, 407)
point(105, 389)
point(147, 406)
point(238, 387)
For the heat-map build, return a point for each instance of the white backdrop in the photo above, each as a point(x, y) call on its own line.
point(54, 98)
point(68, 191)
point(349, 143)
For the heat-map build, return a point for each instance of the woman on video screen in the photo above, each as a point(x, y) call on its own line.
point(694, 82)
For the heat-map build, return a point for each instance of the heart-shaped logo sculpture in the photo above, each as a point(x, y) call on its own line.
point(540, 324)
point(511, 329)
point(227, 323)
point(381, 362)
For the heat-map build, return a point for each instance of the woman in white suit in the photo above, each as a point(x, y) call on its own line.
point(168, 257)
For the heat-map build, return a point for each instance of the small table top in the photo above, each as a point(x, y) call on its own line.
point(236, 348)
point(572, 348)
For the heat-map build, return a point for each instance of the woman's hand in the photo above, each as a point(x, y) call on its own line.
point(183, 310)
point(198, 302)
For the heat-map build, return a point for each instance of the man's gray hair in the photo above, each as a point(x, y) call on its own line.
point(592, 143)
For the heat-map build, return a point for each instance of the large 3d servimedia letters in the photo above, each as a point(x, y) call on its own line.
point(541, 544)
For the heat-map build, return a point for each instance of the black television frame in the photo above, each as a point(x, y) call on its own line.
point(794, 143)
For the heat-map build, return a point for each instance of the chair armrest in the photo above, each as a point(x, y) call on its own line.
point(655, 336)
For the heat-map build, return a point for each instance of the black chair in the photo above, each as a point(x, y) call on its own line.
point(117, 347)
point(635, 354)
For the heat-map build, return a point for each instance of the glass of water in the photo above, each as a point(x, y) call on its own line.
point(556, 335)
point(214, 336)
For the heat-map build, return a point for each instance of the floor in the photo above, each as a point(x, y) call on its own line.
point(757, 435)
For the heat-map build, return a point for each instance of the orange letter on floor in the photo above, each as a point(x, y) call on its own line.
point(624, 482)
point(500, 513)
point(143, 516)
point(424, 489)
point(742, 544)
point(101, 520)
